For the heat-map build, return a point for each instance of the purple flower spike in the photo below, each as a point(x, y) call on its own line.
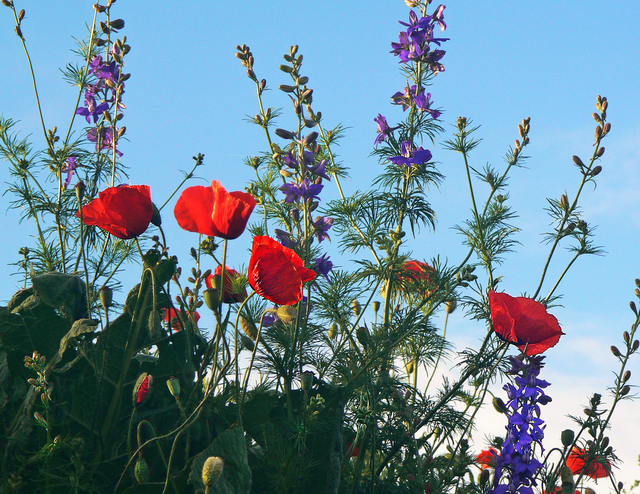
point(69, 169)
point(383, 129)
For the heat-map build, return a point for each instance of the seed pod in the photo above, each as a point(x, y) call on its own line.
point(567, 437)
point(483, 478)
point(566, 475)
point(376, 306)
point(632, 304)
point(306, 380)
point(600, 152)
point(615, 351)
point(626, 336)
point(578, 161)
point(607, 128)
point(625, 390)
point(21, 15)
point(596, 171)
point(174, 386)
point(626, 377)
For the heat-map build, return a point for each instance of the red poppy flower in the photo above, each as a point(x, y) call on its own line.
point(123, 211)
point(356, 448)
point(487, 458)
point(231, 275)
point(578, 458)
point(276, 272)
point(525, 322)
point(416, 273)
point(213, 211)
point(173, 317)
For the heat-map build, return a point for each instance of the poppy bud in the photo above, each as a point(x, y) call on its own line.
point(141, 389)
point(376, 306)
point(567, 437)
point(615, 351)
point(287, 313)
point(106, 296)
point(333, 331)
point(306, 380)
point(356, 307)
point(362, 334)
point(141, 470)
point(174, 386)
point(212, 471)
point(499, 405)
point(566, 475)
point(80, 187)
point(483, 478)
point(249, 328)
point(451, 305)
point(604, 443)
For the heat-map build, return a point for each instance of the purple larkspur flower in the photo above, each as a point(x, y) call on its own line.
point(411, 156)
point(321, 226)
point(305, 190)
point(411, 95)
point(290, 160)
point(69, 168)
point(105, 71)
point(285, 238)
point(383, 129)
point(319, 169)
point(103, 137)
point(323, 266)
point(92, 109)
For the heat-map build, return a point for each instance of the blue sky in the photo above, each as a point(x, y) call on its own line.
point(505, 61)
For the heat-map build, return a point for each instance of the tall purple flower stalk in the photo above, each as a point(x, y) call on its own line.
point(516, 466)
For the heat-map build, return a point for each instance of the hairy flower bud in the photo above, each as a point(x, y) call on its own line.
point(156, 219)
point(106, 296)
point(212, 470)
point(142, 388)
point(248, 327)
point(451, 305)
point(287, 313)
point(141, 470)
point(499, 405)
point(285, 134)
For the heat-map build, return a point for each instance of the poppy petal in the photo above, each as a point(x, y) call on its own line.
point(194, 209)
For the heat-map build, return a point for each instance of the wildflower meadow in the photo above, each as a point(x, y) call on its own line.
point(372, 248)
